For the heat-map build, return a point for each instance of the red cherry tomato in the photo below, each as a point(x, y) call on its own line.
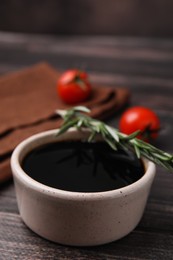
point(140, 118)
point(73, 86)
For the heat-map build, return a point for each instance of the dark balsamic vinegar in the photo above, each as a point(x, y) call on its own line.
point(82, 167)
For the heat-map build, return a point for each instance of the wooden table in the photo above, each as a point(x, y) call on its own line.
point(145, 66)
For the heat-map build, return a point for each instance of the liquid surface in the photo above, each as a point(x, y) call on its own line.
point(82, 166)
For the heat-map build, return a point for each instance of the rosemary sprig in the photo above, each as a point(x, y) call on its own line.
point(76, 117)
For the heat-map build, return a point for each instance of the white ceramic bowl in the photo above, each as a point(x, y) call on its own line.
point(75, 218)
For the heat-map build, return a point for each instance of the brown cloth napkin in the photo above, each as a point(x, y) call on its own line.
point(28, 101)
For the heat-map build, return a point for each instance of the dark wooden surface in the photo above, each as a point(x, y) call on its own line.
point(134, 17)
point(145, 66)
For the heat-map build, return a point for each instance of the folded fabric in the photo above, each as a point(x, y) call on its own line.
point(29, 101)
point(9, 142)
point(5, 170)
point(27, 96)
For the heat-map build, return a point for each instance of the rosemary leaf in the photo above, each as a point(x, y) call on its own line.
point(81, 109)
point(112, 132)
point(91, 137)
point(111, 144)
point(138, 154)
point(67, 126)
point(133, 135)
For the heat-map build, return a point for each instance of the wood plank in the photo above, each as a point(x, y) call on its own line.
point(27, 245)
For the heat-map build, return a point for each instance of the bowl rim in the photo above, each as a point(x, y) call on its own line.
point(49, 136)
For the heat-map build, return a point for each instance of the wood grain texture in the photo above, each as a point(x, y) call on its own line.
point(134, 17)
point(144, 66)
